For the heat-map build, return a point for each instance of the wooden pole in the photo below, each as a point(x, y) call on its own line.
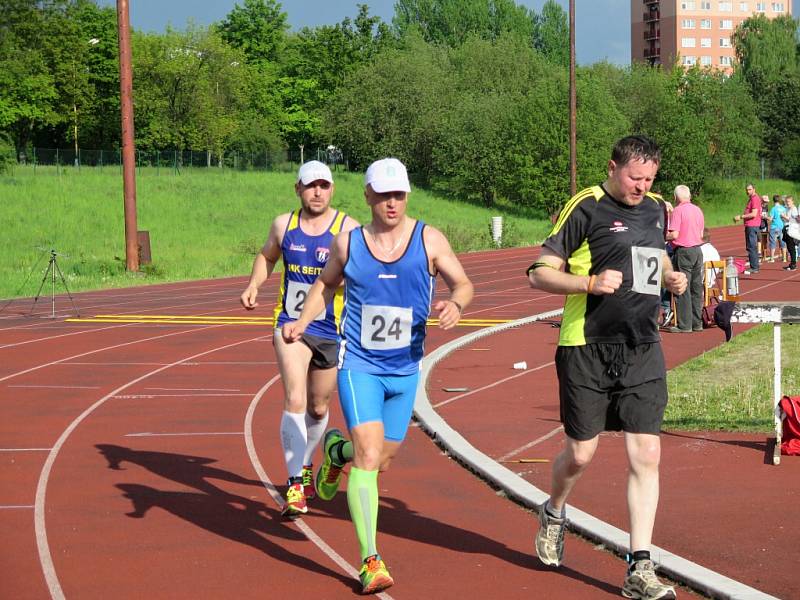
point(573, 106)
point(128, 148)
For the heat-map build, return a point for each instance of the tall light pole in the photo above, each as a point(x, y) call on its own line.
point(573, 106)
point(128, 148)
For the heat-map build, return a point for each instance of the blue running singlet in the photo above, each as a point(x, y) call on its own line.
point(386, 305)
point(304, 257)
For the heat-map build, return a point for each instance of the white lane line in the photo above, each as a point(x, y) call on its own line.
point(276, 497)
point(58, 387)
point(160, 364)
point(25, 449)
point(192, 389)
point(186, 434)
point(491, 385)
point(147, 396)
point(529, 445)
point(53, 337)
point(10, 506)
point(45, 557)
point(114, 347)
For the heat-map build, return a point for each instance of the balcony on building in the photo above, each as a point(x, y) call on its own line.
point(653, 34)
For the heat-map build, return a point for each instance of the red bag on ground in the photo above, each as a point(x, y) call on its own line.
point(741, 265)
point(790, 440)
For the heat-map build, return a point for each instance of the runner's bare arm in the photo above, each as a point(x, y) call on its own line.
point(265, 261)
point(322, 291)
point(445, 262)
point(547, 274)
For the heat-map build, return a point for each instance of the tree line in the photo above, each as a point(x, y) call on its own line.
point(471, 94)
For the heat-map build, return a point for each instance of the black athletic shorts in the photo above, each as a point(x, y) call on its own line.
point(324, 351)
point(611, 387)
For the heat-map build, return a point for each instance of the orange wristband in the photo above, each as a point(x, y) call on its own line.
point(590, 287)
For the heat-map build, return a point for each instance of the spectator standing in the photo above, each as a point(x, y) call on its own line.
point(751, 217)
point(775, 219)
point(686, 234)
point(792, 216)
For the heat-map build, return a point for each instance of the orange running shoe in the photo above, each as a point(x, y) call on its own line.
point(374, 575)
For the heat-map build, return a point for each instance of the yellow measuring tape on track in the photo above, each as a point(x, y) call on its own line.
point(263, 321)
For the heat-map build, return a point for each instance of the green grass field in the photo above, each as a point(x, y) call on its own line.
point(203, 223)
point(730, 387)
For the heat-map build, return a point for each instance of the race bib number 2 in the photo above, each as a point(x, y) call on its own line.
point(296, 293)
point(385, 327)
point(647, 270)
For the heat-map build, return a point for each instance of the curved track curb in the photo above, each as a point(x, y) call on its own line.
point(515, 487)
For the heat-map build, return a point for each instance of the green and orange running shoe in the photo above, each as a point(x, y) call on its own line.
point(308, 482)
point(295, 501)
point(374, 575)
point(329, 474)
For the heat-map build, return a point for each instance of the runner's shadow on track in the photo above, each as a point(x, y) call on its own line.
point(233, 517)
point(397, 519)
point(749, 444)
point(192, 471)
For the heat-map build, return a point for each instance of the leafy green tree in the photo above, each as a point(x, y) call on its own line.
point(551, 33)
point(392, 106)
point(258, 28)
point(451, 22)
point(191, 90)
point(28, 90)
point(766, 49)
point(317, 62)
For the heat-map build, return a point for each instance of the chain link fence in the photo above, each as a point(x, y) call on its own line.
point(268, 160)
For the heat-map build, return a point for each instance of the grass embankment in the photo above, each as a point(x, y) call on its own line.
point(730, 387)
point(203, 223)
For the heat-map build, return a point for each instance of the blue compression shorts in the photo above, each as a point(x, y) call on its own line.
point(368, 398)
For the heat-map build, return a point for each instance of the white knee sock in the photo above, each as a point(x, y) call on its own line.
point(316, 429)
point(293, 439)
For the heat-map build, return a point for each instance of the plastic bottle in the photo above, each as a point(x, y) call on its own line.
point(732, 277)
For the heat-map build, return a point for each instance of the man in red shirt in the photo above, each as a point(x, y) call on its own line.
point(752, 220)
point(685, 231)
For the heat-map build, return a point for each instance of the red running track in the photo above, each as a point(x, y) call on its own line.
point(139, 460)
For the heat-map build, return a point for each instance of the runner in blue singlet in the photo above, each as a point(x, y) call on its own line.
point(388, 268)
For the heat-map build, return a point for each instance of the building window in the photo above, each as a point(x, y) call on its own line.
point(777, 7)
point(688, 23)
point(761, 7)
point(689, 60)
point(705, 6)
point(705, 23)
point(687, 42)
point(724, 42)
point(705, 61)
point(726, 61)
point(743, 6)
point(726, 24)
point(705, 42)
point(725, 6)
point(688, 5)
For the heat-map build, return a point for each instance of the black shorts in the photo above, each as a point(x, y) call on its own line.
point(611, 387)
point(324, 351)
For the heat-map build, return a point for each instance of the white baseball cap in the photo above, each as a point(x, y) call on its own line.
point(387, 175)
point(314, 170)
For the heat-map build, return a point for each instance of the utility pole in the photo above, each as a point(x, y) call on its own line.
point(128, 148)
point(573, 106)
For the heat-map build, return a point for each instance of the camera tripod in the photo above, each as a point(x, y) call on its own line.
point(52, 269)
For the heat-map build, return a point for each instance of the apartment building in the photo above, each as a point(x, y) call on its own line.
point(693, 32)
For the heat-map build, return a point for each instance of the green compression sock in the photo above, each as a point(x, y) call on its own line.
point(342, 452)
point(362, 498)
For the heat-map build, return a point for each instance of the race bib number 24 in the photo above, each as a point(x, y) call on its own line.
point(385, 327)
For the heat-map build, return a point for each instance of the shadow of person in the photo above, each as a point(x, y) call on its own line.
point(191, 471)
point(397, 519)
point(233, 517)
point(748, 444)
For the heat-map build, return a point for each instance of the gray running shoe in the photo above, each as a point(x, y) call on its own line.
point(550, 538)
point(642, 583)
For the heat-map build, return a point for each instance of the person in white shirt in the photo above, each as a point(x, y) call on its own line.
point(709, 253)
point(792, 217)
